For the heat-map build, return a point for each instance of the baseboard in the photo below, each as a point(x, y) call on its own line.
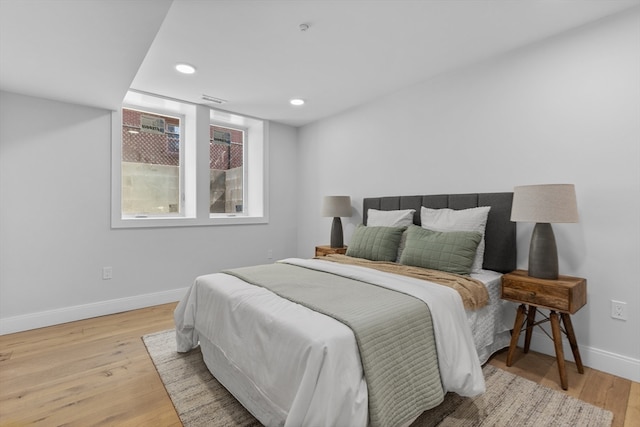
point(42, 319)
point(595, 358)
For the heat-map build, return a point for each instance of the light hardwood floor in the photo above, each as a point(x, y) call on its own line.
point(98, 372)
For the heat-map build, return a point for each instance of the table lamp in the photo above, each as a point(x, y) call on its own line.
point(544, 205)
point(336, 207)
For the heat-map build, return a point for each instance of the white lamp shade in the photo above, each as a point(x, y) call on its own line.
point(549, 203)
point(336, 206)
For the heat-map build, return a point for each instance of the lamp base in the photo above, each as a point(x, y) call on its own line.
point(543, 253)
point(336, 233)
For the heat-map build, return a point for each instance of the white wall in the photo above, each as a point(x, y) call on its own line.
point(55, 233)
point(566, 110)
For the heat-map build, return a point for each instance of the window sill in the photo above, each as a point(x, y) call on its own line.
point(158, 222)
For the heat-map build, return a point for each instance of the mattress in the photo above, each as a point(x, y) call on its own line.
point(489, 330)
point(289, 365)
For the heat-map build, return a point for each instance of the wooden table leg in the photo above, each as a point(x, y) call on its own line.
point(568, 326)
point(557, 341)
point(517, 327)
point(531, 319)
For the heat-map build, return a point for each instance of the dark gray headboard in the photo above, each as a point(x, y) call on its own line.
point(500, 234)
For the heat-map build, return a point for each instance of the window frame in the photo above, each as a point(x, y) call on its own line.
point(245, 137)
point(195, 129)
point(181, 164)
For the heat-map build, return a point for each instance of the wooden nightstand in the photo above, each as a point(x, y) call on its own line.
point(566, 295)
point(326, 250)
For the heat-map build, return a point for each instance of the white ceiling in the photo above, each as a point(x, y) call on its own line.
point(252, 52)
point(86, 52)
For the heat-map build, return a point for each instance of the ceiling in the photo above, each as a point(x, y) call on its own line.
point(253, 54)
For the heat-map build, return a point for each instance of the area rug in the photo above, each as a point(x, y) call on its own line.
point(510, 400)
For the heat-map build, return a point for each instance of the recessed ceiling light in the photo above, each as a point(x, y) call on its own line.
point(185, 68)
point(296, 101)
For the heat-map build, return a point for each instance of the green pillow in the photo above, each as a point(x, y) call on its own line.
point(375, 243)
point(452, 251)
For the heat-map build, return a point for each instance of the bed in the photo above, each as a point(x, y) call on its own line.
point(293, 365)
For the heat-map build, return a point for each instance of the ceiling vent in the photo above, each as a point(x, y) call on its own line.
point(213, 100)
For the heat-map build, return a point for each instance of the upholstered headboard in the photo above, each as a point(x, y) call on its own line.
point(500, 234)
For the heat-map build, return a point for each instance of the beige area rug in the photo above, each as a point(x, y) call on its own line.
point(510, 400)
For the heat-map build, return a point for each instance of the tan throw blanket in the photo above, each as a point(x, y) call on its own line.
point(473, 292)
point(394, 332)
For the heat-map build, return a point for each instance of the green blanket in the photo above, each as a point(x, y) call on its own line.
point(393, 330)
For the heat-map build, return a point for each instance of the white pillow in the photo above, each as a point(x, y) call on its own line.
point(397, 218)
point(474, 219)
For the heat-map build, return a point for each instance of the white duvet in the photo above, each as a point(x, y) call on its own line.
point(289, 365)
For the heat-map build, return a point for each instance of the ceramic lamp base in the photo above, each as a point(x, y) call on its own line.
point(543, 253)
point(336, 233)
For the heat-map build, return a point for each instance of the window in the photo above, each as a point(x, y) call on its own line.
point(179, 164)
point(151, 163)
point(226, 158)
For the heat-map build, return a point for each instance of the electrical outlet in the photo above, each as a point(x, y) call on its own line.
point(270, 254)
point(107, 273)
point(619, 310)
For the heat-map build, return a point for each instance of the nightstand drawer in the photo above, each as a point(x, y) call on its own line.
point(566, 294)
